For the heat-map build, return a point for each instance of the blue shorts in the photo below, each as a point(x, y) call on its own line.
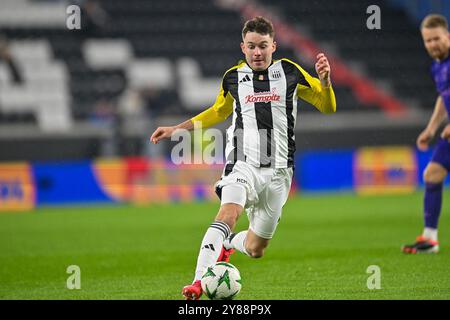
point(441, 153)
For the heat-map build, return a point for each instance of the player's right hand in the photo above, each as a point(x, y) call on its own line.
point(161, 133)
point(424, 139)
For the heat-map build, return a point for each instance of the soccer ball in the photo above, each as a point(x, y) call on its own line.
point(221, 282)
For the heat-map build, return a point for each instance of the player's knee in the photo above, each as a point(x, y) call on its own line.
point(434, 174)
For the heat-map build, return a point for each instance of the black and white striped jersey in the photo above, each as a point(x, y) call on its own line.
point(264, 108)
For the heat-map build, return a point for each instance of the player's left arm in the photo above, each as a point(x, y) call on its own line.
point(319, 91)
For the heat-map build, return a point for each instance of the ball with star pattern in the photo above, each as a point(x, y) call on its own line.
point(221, 281)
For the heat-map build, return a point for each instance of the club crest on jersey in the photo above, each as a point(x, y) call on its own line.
point(265, 96)
point(276, 74)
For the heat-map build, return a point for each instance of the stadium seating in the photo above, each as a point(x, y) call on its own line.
point(419, 9)
point(182, 49)
point(393, 55)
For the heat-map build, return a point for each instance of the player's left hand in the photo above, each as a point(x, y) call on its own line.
point(323, 69)
point(446, 132)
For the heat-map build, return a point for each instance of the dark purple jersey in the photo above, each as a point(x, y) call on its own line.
point(441, 75)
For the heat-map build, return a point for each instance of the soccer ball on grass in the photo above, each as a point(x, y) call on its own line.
point(221, 281)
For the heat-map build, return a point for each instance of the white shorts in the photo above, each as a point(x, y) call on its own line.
point(263, 193)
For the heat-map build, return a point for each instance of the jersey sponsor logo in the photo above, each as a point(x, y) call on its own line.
point(265, 96)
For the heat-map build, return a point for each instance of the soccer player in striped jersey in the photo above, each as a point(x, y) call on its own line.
point(435, 35)
point(261, 95)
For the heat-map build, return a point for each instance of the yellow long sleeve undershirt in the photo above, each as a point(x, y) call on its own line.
point(312, 92)
point(218, 113)
point(321, 98)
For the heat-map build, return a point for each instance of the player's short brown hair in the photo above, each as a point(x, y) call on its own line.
point(259, 25)
point(434, 21)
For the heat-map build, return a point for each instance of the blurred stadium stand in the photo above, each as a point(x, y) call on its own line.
point(393, 55)
point(134, 64)
point(418, 9)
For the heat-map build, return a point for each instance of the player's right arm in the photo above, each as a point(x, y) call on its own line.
point(217, 113)
point(438, 116)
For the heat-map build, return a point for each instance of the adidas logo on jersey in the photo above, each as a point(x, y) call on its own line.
point(245, 79)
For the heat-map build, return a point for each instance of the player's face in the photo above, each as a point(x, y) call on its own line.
point(436, 42)
point(258, 50)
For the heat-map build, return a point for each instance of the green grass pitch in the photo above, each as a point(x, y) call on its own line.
point(321, 250)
